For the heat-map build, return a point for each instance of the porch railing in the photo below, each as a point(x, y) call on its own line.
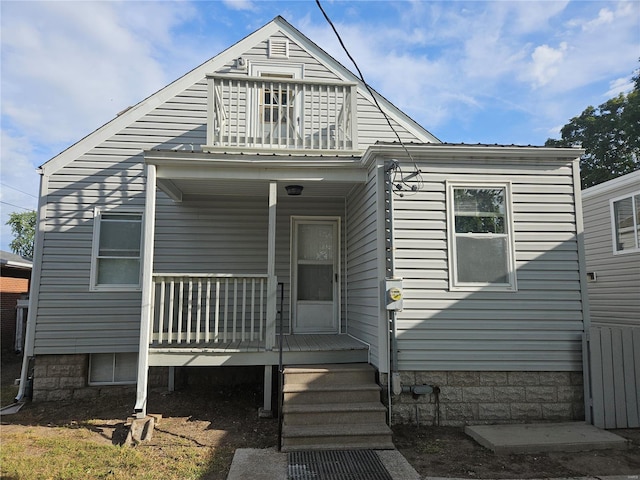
point(208, 308)
point(274, 112)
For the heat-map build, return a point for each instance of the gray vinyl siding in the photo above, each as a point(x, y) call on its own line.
point(536, 328)
point(72, 319)
point(614, 297)
point(363, 273)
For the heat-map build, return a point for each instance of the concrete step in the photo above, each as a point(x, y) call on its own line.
point(295, 394)
point(368, 445)
point(338, 374)
point(334, 413)
point(333, 436)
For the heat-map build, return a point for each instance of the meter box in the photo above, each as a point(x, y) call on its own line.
point(393, 293)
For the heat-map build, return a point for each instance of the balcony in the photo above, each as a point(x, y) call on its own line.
point(268, 113)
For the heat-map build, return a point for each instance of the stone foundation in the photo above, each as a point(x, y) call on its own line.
point(471, 398)
point(65, 377)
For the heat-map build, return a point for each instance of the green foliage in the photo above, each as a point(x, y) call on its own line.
point(610, 135)
point(479, 210)
point(23, 227)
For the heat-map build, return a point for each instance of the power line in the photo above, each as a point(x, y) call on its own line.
point(18, 206)
point(18, 190)
point(396, 167)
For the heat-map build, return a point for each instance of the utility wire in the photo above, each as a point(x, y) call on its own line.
point(18, 190)
point(396, 166)
point(17, 206)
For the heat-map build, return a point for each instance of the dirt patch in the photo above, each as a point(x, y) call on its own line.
point(218, 420)
point(449, 452)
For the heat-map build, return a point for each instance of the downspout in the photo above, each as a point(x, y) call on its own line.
point(140, 408)
point(34, 286)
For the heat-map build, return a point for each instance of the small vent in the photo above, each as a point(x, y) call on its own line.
point(278, 48)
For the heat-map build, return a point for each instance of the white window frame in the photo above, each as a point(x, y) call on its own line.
point(262, 70)
point(113, 370)
point(454, 284)
point(97, 220)
point(614, 227)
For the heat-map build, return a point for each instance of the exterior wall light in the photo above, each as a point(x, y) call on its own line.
point(293, 189)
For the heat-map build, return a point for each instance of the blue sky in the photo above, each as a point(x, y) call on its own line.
point(510, 72)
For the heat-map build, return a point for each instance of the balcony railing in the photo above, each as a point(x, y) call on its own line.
point(281, 113)
point(208, 308)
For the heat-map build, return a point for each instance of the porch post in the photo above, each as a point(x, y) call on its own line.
point(272, 282)
point(272, 286)
point(140, 408)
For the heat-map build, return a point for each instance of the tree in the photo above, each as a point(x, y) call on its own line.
point(23, 227)
point(610, 135)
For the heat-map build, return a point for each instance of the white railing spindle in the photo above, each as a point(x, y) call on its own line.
point(186, 309)
point(287, 113)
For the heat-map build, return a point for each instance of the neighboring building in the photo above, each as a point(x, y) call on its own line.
point(15, 274)
point(164, 235)
point(612, 248)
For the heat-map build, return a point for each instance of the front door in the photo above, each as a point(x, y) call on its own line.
point(315, 278)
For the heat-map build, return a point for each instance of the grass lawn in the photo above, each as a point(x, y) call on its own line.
point(63, 453)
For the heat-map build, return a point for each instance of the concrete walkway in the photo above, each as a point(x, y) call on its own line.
point(544, 437)
point(269, 464)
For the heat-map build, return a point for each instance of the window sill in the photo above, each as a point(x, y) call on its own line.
point(116, 288)
point(483, 288)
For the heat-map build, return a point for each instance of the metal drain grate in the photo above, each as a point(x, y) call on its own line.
point(336, 465)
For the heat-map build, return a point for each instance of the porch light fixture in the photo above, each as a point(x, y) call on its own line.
point(293, 189)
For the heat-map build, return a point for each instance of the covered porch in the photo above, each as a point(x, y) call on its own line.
point(297, 349)
point(219, 283)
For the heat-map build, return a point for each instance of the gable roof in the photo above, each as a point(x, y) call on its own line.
point(8, 259)
point(147, 105)
point(614, 184)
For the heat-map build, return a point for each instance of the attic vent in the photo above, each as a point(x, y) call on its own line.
point(278, 48)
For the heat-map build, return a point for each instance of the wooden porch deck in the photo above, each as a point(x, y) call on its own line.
point(298, 349)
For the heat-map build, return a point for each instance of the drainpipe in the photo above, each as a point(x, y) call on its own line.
point(26, 385)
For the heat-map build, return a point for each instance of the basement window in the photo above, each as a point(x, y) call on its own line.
point(113, 368)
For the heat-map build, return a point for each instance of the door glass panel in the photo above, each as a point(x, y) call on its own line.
point(315, 242)
point(315, 282)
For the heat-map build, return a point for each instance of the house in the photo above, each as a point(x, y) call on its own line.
point(15, 275)
point(265, 192)
point(612, 249)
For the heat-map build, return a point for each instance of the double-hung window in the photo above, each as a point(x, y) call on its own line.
point(481, 252)
point(116, 250)
point(625, 223)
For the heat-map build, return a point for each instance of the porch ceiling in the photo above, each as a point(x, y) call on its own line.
point(253, 188)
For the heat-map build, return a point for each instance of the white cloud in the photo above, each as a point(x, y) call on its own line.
point(605, 17)
point(618, 86)
point(69, 67)
point(240, 4)
point(546, 63)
